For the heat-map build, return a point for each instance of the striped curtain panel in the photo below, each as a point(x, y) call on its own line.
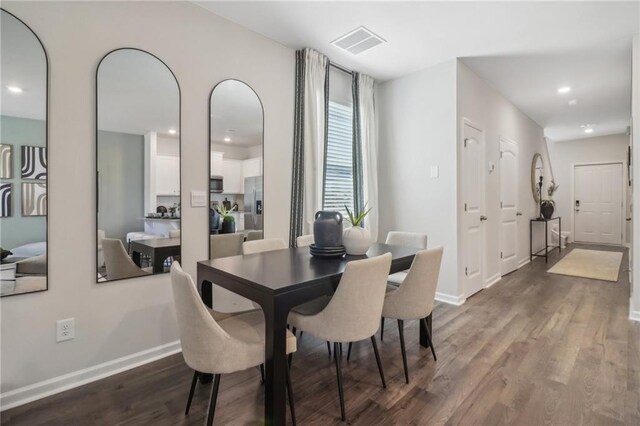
point(365, 150)
point(309, 141)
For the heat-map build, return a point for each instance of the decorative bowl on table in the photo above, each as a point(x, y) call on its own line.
point(327, 252)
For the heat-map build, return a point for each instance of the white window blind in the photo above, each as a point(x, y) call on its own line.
point(338, 190)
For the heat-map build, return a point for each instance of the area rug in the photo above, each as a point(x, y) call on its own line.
point(594, 264)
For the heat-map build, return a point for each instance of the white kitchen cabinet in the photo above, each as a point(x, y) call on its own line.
point(252, 167)
point(167, 175)
point(217, 165)
point(233, 181)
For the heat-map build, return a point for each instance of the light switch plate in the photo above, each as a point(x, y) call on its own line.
point(435, 172)
point(198, 199)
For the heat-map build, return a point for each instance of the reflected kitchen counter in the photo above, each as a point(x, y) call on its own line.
point(161, 225)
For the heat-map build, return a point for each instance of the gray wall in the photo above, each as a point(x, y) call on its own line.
point(18, 230)
point(121, 183)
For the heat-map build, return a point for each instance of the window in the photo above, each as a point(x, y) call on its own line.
point(338, 190)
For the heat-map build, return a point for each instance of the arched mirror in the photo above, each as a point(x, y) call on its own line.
point(236, 167)
point(23, 159)
point(537, 175)
point(138, 165)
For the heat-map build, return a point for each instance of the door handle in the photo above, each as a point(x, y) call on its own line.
point(519, 214)
point(483, 218)
point(628, 219)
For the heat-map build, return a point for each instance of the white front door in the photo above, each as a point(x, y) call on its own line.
point(473, 195)
point(598, 203)
point(508, 206)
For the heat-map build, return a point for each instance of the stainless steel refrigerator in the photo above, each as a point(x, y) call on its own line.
point(253, 202)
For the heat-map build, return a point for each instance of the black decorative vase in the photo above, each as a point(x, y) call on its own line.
point(228, 227)
point(327, 229)
point(547, 210)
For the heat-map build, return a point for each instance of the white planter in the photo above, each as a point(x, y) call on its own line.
point(356, 240)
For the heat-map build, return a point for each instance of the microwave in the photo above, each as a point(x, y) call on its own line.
point(215, 184)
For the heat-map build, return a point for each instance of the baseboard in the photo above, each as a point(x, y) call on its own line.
point(492, 280)
point(451, 300)
point(634, 315)
point(72, 380)
point(523, 262)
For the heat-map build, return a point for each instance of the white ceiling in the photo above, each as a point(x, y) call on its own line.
point(236, 113)
point(526, 50)
point(22, 64)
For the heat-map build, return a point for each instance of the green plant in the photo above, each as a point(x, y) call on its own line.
point(553, 187)
point(226, 214)
point(357, 217)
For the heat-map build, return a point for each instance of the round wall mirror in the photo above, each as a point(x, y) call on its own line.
point(537, 173)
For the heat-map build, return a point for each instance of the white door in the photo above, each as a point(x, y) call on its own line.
point(598, 203)
point(508, 206)
point(473, 197)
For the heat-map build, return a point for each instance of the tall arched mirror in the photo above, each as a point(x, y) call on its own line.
point(23, 159)
point(537, 176)
point(236, 167)
point(138, 166)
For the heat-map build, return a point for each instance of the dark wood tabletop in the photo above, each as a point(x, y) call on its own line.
point(278, 281)
point(158, 249)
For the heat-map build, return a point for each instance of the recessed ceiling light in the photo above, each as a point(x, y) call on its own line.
point(14, 89)
point(573, 102)
point(564, 89)
point(227, 139)
point(588, 130)
point(173, 131)
point(231, 130)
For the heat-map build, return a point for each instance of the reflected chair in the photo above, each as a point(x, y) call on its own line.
point(255, 235)
point(259, 246)
point(225, 245)
point(117, 262)
point(353, 312)
point(304, 240)
point(101, 236)
point(414, 299)
point(216, 343)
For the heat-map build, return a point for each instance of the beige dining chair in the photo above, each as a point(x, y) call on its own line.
point(305, 240)
point(216, 343)
point(225, 245)
point(255, 235)
point(101, 235)
point(117, 262)
point(352, 312)
point(259, 246)
point(414, 299)
point(174, 233)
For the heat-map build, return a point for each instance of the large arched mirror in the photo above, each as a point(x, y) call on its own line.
point(23, 159)
point(236, 173)
point(138, 165)
point(537, 175)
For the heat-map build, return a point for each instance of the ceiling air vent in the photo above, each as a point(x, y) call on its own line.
point(358, 40)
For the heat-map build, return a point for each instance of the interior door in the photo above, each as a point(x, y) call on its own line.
point(473, 194)
point(598, 203)
point(508, 206)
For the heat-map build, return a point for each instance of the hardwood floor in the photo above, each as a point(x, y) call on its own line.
point(534, 348)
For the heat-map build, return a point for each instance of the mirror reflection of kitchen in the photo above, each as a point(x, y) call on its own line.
point(236, 171)
point(138, 160)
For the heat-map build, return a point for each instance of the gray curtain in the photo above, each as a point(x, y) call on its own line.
point(297, 186)
point(358, 184)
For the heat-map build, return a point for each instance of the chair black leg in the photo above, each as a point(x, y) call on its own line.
point(375, 350)
point(381, 329)
point(301, 333)
point(293, 331)
point(262, 374)
point(403, 349)
point(214, 398)
point(340, 349)
point(292, 405)
point(290, 360)
point(433, 351)
point(329, 349)
point(191, 391)
point(338, 360)
point(349, 351)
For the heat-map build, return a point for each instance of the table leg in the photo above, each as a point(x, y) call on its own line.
point(530, 241)
point(275, 364)
point(559, 235)
point(135, 256)
point(546, 243)
point(423, 335)
point(158, 262)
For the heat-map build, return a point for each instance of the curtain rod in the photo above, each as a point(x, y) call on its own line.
point(341, 68)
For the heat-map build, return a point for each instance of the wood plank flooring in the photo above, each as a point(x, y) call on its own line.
point(535, 348)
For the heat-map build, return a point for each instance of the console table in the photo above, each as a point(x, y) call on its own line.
point(546, 238)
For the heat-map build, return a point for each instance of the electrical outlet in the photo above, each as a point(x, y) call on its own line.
point(65, 329)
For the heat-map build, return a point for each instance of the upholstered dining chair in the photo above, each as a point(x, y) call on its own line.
point(117, 262)
point(259, 246)
point(101, 235)
point(216, 343)
point(304, 240)
point(255, 235)
point(414, 299)
point(225, 245)
point(351, 314)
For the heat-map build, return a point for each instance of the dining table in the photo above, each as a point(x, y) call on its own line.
point(278, 281)
point(158, 249)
